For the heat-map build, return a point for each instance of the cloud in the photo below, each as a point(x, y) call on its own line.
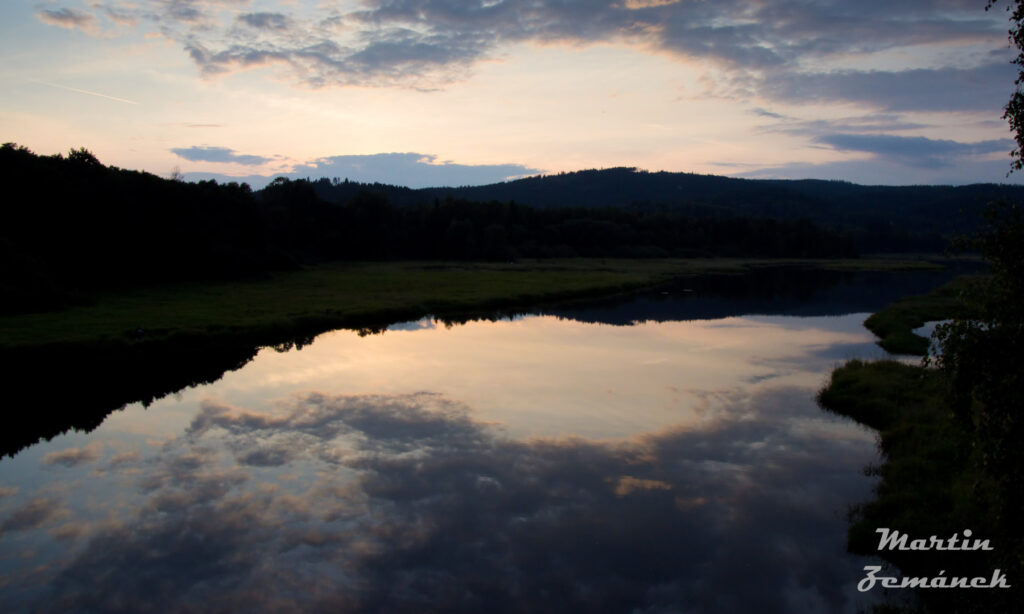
point(265, 21)
point(870, 123)
point(885, 159)
point(879, 170)
point(72, 457)
point(36, 513)
point(914, 151)
point(412, 170)
point(982, 88)
point(124, 459)
point(218, 154)
point(766, 46)
point(766, 113)
point(120, 16)
point(69, 18)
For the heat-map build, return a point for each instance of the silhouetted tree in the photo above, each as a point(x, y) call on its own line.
point(1013, 112)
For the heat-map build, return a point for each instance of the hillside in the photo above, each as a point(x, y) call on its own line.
point(74, 226)
point(882, 218)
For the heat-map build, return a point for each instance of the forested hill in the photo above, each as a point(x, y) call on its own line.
point(72, 225)
point(891, 218)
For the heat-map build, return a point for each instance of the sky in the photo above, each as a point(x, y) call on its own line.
point(467, 92)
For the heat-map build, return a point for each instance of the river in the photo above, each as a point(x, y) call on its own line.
point(657, 453)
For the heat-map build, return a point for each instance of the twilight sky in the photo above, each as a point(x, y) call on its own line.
point(460, 92)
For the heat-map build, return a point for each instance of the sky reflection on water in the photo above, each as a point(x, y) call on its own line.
point(530, 465)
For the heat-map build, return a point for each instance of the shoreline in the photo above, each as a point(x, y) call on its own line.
point(366, 295)
point(101, 373)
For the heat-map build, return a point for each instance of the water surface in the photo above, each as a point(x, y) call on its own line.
point(548, 462)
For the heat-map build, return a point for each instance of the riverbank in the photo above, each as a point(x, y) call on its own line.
point(932, 480)
point(357, 295)
point(139, 346)
point(894, 325)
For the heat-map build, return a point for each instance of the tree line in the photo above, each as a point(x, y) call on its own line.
point(878, 218)
point(73, 225)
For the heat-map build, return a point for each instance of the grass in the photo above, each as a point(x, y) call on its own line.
point(894, 325)
point(357, 294)
point(919, 443)
point(928, 482)
point(931, 478)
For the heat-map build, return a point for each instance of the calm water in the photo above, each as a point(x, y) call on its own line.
point(547, 463)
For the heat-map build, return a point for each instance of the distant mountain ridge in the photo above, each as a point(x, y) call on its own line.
point(931, 214)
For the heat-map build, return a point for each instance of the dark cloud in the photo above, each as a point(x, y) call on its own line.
point(914, 151)
point(984, 88)
point(72, 457)
point(218, 154)
point(892, 159)
point(421, 508)
point(265, 21)
point(192, 12)
point(383, 423)
point(68, 18)
point(766, 113)
point(124, 459)
point(36, 513)
point(872, 123)
point(121, 16)
point(877, 170)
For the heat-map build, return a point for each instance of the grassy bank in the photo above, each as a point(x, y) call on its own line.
point(929, 485)
point(932, 478)
point(356, 294)
point(895, 324)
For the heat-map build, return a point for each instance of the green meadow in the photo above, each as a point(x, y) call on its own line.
point(361, 294)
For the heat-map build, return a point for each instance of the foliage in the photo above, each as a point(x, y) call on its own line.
point(928, 483)
point(895, 323)
point(879, 218)
point(983, 358)
point(951, 435)
point(1013, 112)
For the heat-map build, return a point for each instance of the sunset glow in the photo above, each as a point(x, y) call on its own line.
point(477, 92)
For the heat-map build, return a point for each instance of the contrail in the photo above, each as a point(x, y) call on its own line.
point(75, 89)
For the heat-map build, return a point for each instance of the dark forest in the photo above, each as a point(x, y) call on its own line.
point(73, 225)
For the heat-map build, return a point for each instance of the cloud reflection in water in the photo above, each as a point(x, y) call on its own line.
point(405, 503)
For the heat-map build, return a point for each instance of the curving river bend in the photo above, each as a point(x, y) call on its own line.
point(658, 454)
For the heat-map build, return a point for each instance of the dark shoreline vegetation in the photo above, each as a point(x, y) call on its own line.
point(895, 324)
point(950, 430)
